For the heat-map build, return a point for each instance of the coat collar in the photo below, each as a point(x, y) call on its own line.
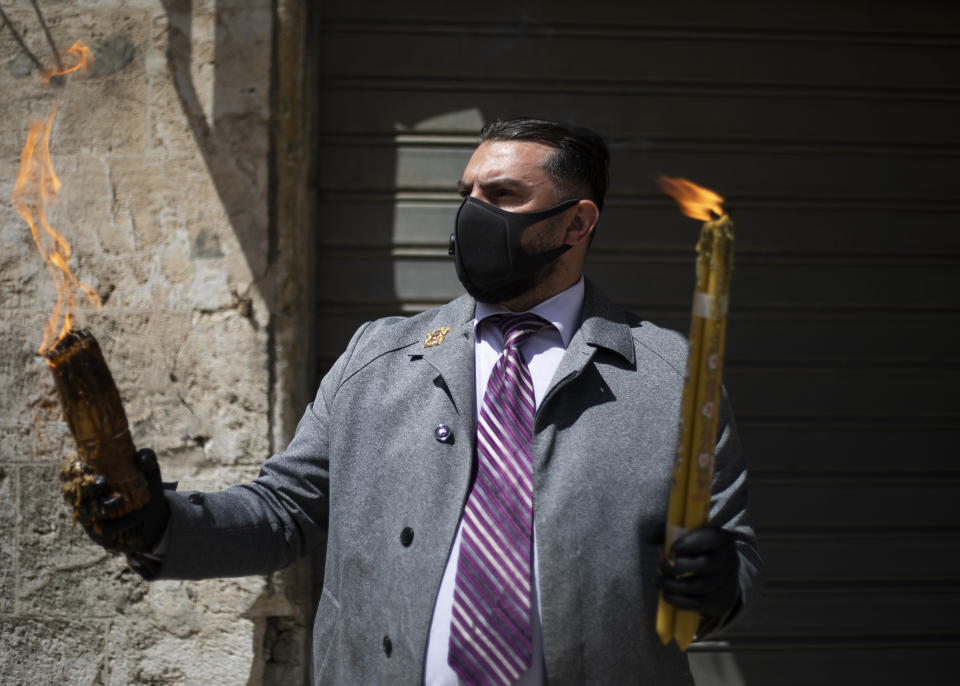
point(602, 325)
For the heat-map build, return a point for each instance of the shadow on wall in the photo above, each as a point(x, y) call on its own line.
point(233, 131)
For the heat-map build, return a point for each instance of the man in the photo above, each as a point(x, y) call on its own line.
point(493, 489)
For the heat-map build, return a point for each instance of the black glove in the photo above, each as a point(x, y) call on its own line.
point(94, 505)
point(700, 572)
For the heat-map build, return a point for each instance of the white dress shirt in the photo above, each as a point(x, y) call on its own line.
point(542, 352)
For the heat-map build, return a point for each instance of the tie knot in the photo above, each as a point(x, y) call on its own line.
point(518, 328)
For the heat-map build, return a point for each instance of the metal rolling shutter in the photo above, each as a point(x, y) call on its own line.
point(832, 128)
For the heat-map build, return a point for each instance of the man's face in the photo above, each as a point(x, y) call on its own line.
point(510, 175)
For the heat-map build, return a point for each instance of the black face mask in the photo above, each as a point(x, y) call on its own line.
point(485, 244)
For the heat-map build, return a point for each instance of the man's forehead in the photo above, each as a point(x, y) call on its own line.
point(517, 160)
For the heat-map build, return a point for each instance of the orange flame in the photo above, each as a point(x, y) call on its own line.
point(79, 58)
point(694, 201)
point(36, 185)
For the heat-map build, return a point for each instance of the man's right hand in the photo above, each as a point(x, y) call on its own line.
point(94, 502)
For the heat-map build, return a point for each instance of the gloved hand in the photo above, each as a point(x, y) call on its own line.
point(138, 531)
point(700, 572)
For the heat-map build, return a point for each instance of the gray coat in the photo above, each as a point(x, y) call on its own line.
point(366, 469)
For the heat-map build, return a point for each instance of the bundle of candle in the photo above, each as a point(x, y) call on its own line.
point(696, 437)
point(94, 413)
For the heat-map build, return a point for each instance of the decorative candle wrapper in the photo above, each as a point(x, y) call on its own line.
point(709, 306)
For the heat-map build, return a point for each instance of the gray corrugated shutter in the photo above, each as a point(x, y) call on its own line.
point(832, 128)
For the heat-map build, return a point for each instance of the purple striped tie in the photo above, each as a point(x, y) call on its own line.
point(490, 635)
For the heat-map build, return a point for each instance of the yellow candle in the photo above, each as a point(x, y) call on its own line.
point(690, 491)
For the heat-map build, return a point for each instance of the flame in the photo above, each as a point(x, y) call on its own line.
point(36, 185)
point(694, 201)
point(78, 57)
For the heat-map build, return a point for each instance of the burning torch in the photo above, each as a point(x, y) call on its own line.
point(690, 488)
point(90, 400)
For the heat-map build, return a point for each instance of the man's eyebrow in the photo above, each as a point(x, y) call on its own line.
point(504, 182)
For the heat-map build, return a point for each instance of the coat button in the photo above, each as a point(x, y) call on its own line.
point(195, 498)
point(387, 646)
point(443, 433)
point(406, 537)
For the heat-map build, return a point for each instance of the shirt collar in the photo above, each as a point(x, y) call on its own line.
point(561, 310)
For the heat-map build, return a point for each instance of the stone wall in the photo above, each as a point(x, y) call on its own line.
point(173, 189)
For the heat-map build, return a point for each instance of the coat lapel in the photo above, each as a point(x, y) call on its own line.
point(453, 356)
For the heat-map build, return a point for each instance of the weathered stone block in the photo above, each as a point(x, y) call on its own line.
point(51, 651)
point(62, 572)
point(186, 255)
point(199, 650)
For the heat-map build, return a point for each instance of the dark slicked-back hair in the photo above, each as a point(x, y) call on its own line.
point(578, 166)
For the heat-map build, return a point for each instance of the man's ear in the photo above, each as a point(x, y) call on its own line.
point(585, 218)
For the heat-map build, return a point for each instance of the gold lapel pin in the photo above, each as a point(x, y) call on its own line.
point(436, 337)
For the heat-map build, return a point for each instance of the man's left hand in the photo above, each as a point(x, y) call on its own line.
point(95, 505)
point(700, 572)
